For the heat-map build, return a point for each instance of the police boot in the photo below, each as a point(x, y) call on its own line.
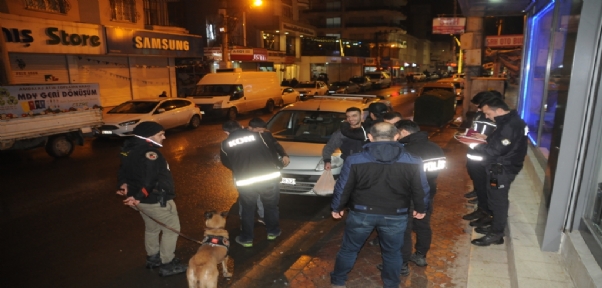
point(153, 261)
point(474, 215)
point(489, 239)
point(483, 221)
point(172, 268)
point(483, 230)
point(418, 259)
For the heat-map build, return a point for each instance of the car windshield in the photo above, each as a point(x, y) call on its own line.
point(134, 107)
point(306, 85)
point(305, 126)
point(373, 76)
point(215, 90)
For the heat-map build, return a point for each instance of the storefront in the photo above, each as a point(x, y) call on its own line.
point(284, 65)
point(248, 59)
point(336, 68)
point(559, 101)
point(141, 64)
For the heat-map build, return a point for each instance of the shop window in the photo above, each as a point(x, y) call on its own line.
point(333, 22)
point(271, 41)
point(123, 10)
point(58, 6)
point(291, 45)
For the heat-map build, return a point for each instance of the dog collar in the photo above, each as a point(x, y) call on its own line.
point(216, 241)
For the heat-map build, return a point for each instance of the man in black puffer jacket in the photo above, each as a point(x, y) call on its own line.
point(378, 186)
point(144, 178)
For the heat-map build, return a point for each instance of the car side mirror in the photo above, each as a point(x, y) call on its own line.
point(160, 110)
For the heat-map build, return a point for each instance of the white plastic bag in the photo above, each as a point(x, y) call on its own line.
point(325, 185)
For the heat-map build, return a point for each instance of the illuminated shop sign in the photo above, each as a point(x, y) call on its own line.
point(131, 41)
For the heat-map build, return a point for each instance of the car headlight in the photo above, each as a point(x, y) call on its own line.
point(218, 105)
point(132, 122)
point(335, 162)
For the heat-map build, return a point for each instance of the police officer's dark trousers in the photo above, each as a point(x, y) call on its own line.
point(478, 173)
point(422, 228)
point(498, 200)
point(269, 193)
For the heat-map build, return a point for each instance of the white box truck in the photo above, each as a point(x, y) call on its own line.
point(230, 92)
point(54, 116)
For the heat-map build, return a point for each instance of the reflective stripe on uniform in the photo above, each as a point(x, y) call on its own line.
point(257, 179)
point(434, 164)
point(474, 157)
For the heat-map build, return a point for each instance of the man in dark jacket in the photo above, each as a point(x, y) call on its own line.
point(347, 145)
point(378, 186)
point(504, 154)
point(144, 178)
point(481, 127)
point(256, 174)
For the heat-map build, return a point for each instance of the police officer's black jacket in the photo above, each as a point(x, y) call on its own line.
point(249, 157)
point(507, 145)
point(383, 179)
point(432, 155)
point(145, 171)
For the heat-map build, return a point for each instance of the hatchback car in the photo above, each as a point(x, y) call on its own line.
point(170, 113)
point(379, 79)
point(362, 81)
point(289, 95)
point(343, 87)
point(309, 89)
point(458, 84)
point(303, 129)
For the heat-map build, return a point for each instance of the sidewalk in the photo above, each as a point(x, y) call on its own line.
point(453, 261)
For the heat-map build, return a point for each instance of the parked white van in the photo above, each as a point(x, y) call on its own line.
point(230, 92)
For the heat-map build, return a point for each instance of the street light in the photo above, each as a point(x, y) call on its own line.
point(459, 56)
point(256, 3)
point(226, 32)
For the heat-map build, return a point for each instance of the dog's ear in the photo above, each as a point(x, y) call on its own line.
point(224, 214)
point(209, 214)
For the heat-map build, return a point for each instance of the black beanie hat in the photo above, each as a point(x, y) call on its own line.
point(147, 129)
point(378, 108)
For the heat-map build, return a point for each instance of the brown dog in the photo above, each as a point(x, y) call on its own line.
point(202, 267)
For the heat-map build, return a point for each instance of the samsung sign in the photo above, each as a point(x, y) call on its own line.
point(130, 41)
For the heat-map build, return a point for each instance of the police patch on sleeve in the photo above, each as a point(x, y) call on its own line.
point(505, 142)
point(152, 155)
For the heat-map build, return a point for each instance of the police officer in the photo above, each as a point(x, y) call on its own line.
point(144, 178)
point(504, 154)
point(433, 158)
point(256, 174)
point(481, 127)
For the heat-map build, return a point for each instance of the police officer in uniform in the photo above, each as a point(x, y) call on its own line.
point(481, 127)
point(144, 178)
point(504, 154)
point(256, 174)
point(433, 158)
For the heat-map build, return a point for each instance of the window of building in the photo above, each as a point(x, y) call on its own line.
point(333, 22)
point(58, 6)
point(333, 5)
point(155, 12)
point(287, 11)
point(123, 10)
point(291, 45)
point(271, 41)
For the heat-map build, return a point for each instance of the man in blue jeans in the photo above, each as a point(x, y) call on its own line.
point(378, 186)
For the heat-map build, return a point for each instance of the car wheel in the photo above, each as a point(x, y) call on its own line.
point(195, 122)
point(269, 107)
point(59, 146)
point(232, 113)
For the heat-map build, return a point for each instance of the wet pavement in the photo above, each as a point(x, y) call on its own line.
point(448, 257)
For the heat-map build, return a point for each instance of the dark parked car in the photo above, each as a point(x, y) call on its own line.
point(343, 87)
point(362, 81)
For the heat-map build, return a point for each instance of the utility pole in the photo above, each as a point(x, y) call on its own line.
point(225, 32)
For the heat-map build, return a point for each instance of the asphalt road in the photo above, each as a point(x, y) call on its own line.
point(62, 225)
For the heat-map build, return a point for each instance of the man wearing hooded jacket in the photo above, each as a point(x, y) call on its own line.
point(145, 179)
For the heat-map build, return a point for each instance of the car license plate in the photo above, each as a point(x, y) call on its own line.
point(290, 181)
point(107, 132)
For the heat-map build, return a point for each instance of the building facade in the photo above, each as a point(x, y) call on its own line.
point(559, 99)
point(129, 48)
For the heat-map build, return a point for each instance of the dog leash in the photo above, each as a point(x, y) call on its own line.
point(165, 225)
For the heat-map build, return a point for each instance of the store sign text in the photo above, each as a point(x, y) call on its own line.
point(61, 37)
point(16, 35)
point(160, 43)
